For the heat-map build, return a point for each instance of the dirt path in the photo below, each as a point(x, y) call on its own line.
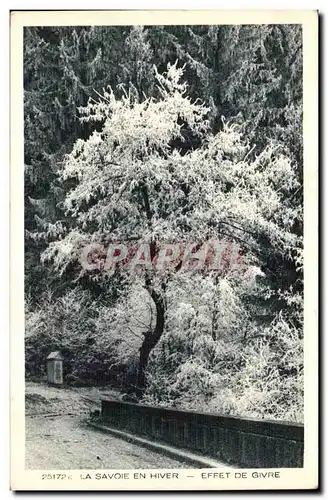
point(57, 437)
point(41, 399)
point(64, 442)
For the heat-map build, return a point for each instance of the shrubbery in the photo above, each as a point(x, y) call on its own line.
point(245, 370)
point(250, 369)
point(70, 324)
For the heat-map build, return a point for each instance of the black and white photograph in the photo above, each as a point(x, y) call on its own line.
point(163, 251)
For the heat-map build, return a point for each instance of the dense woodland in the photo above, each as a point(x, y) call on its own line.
point(174, 134)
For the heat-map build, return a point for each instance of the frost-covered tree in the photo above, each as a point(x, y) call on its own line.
point(132, 180)
point(251, 71)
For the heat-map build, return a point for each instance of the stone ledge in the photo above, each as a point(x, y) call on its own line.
point(186, 456)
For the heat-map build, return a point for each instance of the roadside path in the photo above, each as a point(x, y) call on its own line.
point(65, 442)
point(56, 436)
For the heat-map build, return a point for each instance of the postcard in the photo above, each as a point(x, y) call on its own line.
point(164, 250)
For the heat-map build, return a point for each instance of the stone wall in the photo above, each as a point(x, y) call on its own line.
point(246, 443)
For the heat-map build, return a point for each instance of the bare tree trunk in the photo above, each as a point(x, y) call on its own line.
point(151, 339)
point(151, 336)
point(215, 314)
